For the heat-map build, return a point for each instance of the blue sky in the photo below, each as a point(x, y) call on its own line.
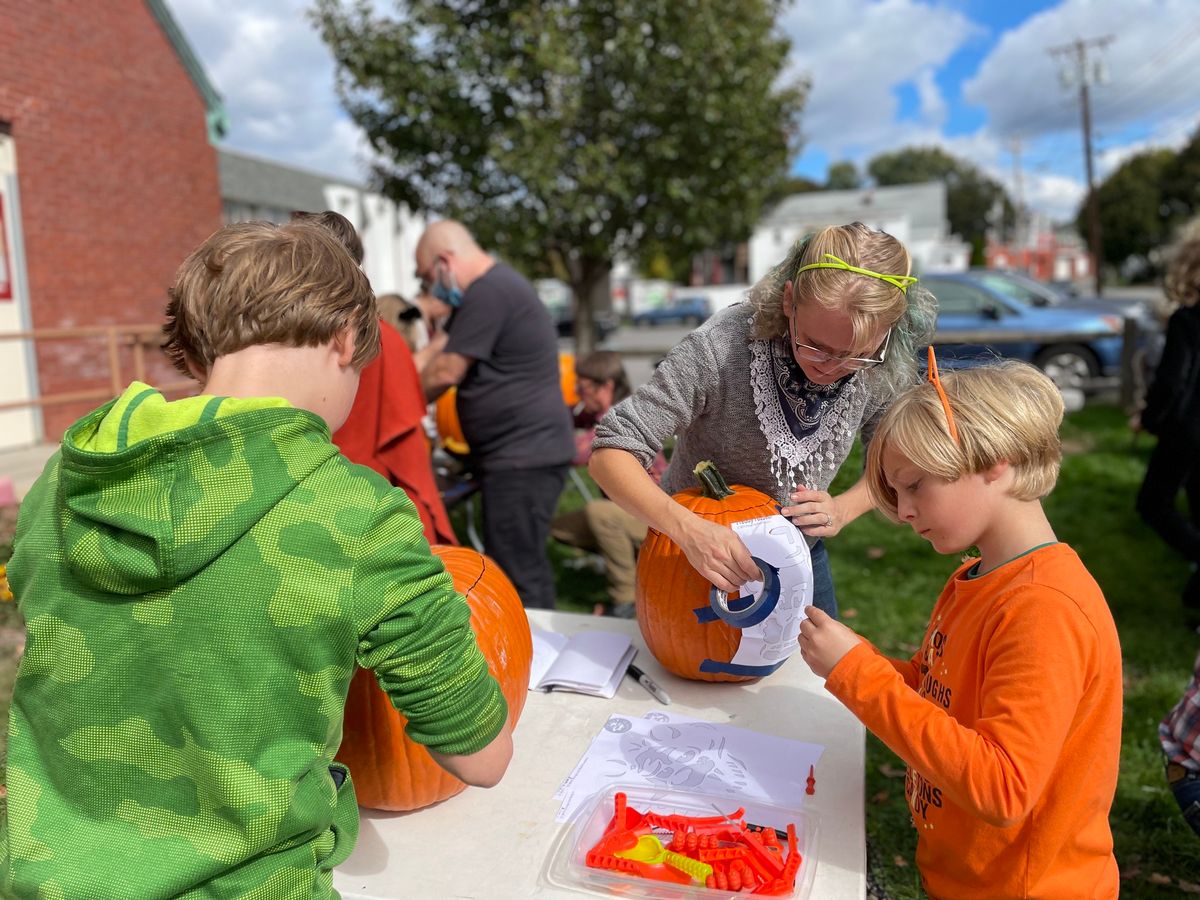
point(969, 76)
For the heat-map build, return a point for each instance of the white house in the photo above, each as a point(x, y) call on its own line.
point(254, 189)
point(914, 213)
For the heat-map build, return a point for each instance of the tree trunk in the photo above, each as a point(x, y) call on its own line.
point(589, 284)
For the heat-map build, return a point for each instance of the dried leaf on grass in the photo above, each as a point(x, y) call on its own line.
point(849, 613)
point(880, 797)
point(887, 770)
point(899, 862)
point(1159, 878)
point(876, 553)
point(1189, 887)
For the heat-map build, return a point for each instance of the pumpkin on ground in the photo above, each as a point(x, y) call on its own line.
point(670, 591)
point(392, 772)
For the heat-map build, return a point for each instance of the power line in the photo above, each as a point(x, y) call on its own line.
point(1085, 75)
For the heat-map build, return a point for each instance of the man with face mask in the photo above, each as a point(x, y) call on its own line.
point(501, 349)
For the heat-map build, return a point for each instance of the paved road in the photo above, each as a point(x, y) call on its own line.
point(640, 348)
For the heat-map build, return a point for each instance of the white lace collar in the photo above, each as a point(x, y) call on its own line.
point(812, 460)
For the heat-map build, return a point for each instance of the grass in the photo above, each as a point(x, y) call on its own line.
point(887, 579)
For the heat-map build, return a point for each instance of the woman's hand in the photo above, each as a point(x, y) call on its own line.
point(717, 553)
point(817, 513)
point(824, 641)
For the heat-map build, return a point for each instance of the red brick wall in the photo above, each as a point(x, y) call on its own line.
point(117, 179)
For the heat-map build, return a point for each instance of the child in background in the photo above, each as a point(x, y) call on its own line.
point(1009, 716)
point(600, 525)
point(199, 578)
point(1179, 734)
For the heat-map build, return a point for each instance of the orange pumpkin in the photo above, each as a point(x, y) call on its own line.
point(449, 429)
point(670, 591)
point(389, 770)
point(566, 378)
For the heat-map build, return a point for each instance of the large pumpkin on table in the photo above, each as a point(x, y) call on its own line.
point(395, 773)
point(449, 428)
point(670, 591)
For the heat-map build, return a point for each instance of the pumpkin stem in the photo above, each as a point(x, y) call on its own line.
point(712, 482)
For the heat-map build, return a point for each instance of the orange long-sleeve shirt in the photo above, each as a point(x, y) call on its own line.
point(1009, 718)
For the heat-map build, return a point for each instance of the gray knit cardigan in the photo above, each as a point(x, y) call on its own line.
point(715, 392)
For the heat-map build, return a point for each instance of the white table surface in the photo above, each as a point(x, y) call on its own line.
point(492, 844)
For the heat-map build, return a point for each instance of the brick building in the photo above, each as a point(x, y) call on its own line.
point(108, 178)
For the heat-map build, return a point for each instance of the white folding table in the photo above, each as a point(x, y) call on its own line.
point(492, 844)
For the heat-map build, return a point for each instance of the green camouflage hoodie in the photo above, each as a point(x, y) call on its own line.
point(199, 579)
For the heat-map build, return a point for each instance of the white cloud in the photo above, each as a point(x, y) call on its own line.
point(1172, 134)
point(1150, 66)
point(932, 103)
point(277, 79)
point(859, 52)
point(1055, 195)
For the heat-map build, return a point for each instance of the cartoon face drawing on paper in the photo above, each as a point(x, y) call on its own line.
point(686, 757)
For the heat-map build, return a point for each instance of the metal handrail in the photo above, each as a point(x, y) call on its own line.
point(137, 337)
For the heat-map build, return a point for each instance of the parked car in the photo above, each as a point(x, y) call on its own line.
point(1074, 346)
point(563, 315)
point(1029, 290)
point(680, 309)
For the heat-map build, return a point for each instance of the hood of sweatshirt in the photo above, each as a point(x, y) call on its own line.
point(150, 491)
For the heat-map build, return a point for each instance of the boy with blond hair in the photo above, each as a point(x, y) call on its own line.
point(200, 578)
point(1009, 715)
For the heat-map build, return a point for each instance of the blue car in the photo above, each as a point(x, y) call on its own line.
point(1073, 346)
point(682, 310)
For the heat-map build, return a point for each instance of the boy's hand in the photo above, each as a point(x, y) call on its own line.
point(824, 641)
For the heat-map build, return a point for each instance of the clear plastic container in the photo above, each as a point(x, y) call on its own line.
point(566, 866)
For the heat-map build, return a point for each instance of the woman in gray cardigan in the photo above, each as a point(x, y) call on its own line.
point(774, 390)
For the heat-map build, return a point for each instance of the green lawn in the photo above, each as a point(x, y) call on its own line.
point(887, 580)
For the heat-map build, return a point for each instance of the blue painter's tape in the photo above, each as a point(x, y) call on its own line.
point(745, 612)
point(711, 666)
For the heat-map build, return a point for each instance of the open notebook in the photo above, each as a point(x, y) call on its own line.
point(590, 662)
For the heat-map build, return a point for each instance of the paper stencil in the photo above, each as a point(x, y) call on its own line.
point(776, 541)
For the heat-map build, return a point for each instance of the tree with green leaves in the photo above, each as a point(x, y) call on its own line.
point(565, 133)
point(1134, 218)
point(843, 176)
point(972, 198)
point(1181, 182)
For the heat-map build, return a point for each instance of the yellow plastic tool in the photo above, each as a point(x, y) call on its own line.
point(649, 849)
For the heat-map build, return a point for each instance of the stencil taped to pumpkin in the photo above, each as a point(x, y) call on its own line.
point(670, 592)
point(390, 770)
point(769, 611)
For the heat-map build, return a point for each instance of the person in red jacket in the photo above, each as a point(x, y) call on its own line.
point(1009, 715)
point(383, 431)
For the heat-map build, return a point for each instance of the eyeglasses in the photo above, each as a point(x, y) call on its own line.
point(811, 354)
point(932, 374)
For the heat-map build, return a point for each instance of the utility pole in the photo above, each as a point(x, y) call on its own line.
point(1086, 75)
point(1018, 193)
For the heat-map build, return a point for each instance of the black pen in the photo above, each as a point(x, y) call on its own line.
point(648, 683)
